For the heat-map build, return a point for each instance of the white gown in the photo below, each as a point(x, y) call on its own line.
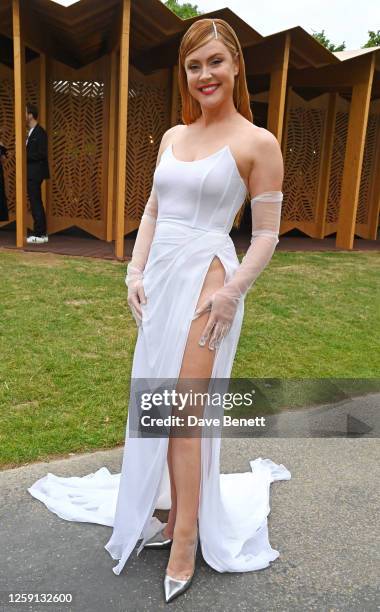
point(197, 204)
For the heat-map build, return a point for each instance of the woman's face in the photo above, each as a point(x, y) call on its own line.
point(211, 64)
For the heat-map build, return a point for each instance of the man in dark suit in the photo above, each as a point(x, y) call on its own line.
point(37, 171)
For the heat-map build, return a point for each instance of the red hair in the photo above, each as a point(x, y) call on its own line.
point(198, 34)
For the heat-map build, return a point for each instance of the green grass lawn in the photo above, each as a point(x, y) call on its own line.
point(67, 341)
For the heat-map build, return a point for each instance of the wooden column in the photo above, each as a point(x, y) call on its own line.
point(174, 100)
point(42, 116)
point(357, 126)
point(122, 128)
point(277, 90)
point(324, 173)
point(20, 128)
point(111, 101)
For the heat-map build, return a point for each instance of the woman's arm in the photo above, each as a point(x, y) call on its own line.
point(144, 239)
point(265, 181)
point(140, 253)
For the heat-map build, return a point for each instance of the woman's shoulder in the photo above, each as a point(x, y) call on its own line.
point(260, 143)
point(265, 138)
point(167, 137)
point(257, 136)
point(175, 129)
point(266, 160)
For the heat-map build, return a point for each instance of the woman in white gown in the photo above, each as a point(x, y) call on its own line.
point(186, 290)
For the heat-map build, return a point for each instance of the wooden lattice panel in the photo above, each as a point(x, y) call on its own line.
point(302, 158)
point(8, 134)
point(337, 162)
point(148, 119)
point(77, 135)
point(372, 143)
point(8, 126)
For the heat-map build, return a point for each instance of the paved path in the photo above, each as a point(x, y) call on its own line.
point(323, 521)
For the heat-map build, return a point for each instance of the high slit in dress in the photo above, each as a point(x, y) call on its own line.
point(197, 204)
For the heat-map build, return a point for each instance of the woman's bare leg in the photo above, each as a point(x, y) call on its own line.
point(169, 529)
point(184, 454)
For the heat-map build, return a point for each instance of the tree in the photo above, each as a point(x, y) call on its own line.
point(321, 37)
point(373, 40)
point(184, 11)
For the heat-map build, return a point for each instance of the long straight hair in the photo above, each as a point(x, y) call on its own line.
point(198, 34)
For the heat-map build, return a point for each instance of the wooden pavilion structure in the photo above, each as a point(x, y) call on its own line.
point(104, 77)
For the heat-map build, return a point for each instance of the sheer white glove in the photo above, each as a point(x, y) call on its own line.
point(223, 303)
point(136, 293)
point(140, 253)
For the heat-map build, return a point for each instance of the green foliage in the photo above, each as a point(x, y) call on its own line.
point(184, 11)
point(321, 37)
point(373, 40)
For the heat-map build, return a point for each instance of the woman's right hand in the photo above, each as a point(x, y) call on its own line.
point(136, 293)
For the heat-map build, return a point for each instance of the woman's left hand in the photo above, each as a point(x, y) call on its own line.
point(223, 304)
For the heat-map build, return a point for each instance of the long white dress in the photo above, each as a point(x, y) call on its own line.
point(197, 204)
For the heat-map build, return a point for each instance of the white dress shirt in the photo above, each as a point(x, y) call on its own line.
point(30, 131)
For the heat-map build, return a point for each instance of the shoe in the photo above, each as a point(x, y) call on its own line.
point(37, 239)
point(159, 541)
point(174, 587)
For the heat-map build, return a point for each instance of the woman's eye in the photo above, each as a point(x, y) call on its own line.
point(214, 62)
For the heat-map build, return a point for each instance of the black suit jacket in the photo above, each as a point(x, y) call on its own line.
point(37, 155)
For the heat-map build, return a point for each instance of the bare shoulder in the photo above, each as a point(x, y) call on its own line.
point(267, 167)
point(171, 132)
point(167, 138)
point(265, 142)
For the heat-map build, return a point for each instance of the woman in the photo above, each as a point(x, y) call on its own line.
point(186, 291)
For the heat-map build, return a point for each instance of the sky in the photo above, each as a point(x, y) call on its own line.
point(68, 2)
point(343, 20)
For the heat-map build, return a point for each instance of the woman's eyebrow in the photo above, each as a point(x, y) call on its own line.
point(209, 57)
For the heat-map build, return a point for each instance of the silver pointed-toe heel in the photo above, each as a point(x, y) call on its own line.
point(174, 587)
point(159, 541)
